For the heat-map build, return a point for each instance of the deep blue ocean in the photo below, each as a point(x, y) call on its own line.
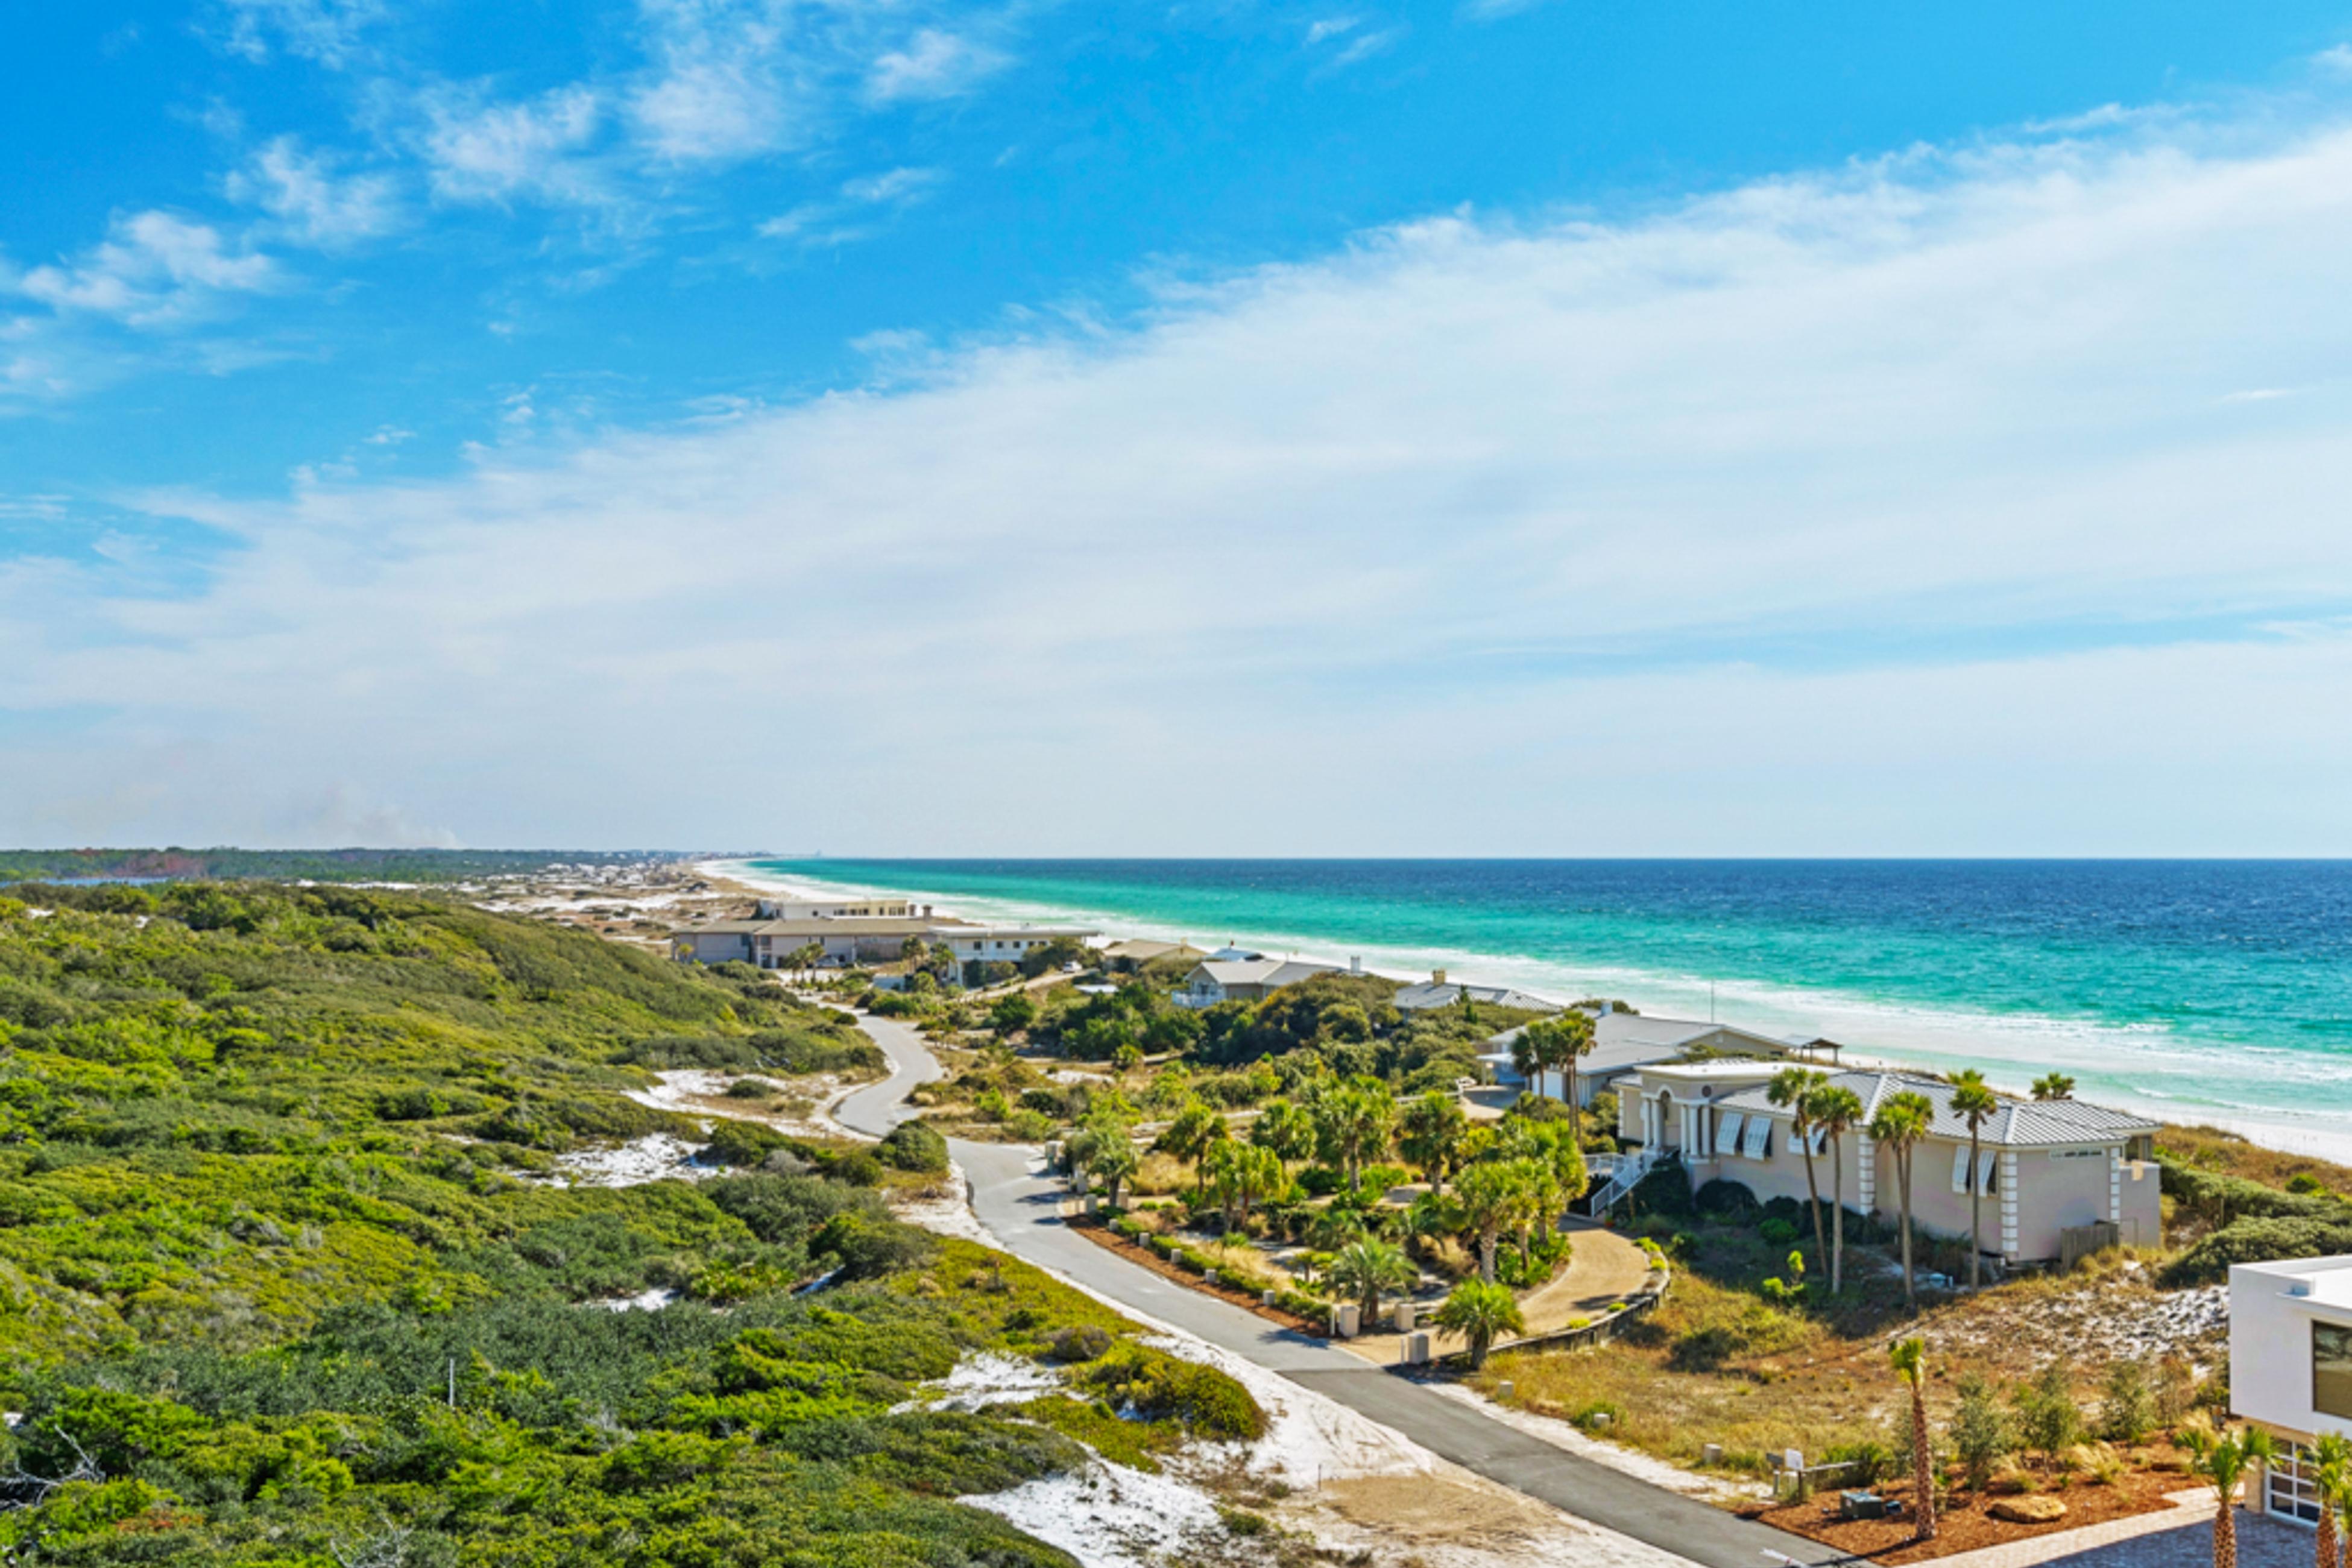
point(2213, 991)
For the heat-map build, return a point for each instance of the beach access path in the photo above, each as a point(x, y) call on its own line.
point(1021, 1207)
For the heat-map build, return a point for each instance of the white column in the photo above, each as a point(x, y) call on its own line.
point(2009, 1244)
point(1867, 1167)
point(2116, 1186)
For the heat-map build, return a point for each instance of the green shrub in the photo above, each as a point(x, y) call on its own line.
point(1157, 1385)
point(912, 1147)
point(1779, 1233)
point(2257, 1241)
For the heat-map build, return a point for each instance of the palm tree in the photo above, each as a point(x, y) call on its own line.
point(1196, 1129)
point(1793, 1088)
point(1973, 1102)
point(1112, 1161)
point(1366, 1268)
point(1836, 1111)
point(1899, 1126)
point(1240, 1174)
point(1434, 1126)
point(1352, 1122)
point(1910, 1359)
point(2332, 1471)
point(1494, 1195)
point(2054, 1086)
point(1554, 1045)
point(2223, 1459)
point(1284, 1128)
point(1481, 1313)
point(1553, 1148)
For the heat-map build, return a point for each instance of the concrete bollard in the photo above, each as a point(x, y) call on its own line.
point(1266, 1298)
point(1404, 1317)
point(1710, 1453)
point(1416, 1350)
point(1343, 1320)
point(1089, 1204)
point(1505, 1389)
point(1209, 1275)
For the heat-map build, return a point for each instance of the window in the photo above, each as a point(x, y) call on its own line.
point(1727, 1132)
point(2331, 1369)
point(1757, 1143)
point(2293, 1489)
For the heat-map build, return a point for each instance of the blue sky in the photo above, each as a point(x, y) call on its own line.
point(1505, 428)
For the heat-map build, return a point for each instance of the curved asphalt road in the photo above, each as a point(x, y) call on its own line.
point(1021, 1209)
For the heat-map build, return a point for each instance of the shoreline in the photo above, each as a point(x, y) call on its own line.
point(2010, 1051)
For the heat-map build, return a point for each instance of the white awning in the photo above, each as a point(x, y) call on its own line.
point(1759, 1142)
point(1727, 1132)
point(1960, 1168)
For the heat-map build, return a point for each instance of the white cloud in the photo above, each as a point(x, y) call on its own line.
point(330, 32)
point(893, 185)
point(1891, 511)
point(483, 151)
point(155, 269)
point(934, 63)
point(319, 205)
point(1330, 27)
point(2337, 58)
point(716, 89)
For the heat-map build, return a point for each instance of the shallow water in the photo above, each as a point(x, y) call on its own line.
point(2214, 991)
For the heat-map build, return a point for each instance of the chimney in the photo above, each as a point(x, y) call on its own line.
point(1437, 976)
point(1354, 964)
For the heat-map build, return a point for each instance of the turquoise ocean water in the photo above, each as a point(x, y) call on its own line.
point(2212, 991)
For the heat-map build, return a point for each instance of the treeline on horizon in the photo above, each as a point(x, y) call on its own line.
point(228, 864)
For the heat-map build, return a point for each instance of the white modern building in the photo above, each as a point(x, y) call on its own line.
point(2291, 1369)
point(842, 909)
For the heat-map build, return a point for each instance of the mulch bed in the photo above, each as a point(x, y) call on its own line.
point(1103, 1237)
point(1962, 1523)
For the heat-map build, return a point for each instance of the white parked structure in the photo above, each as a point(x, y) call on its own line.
point(842, 909)
point(2042, 1168)
point(2291, 1369)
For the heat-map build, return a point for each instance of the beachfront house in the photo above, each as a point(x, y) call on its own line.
point(1438, 991)
point(2056, 1177)
point(1623, 1041)
point(2291, 1370)
point(1233, 975)
point(1133, 954)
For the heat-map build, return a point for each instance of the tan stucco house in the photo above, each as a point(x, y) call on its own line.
point(2043, 1166)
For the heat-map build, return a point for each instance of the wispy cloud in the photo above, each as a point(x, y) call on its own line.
point(319, 206)
point(155, 269)
point(481, 150)
point(330, 32)
point(840, 222)
point(1889, 483)
point(2336, 59)
point(934, 63)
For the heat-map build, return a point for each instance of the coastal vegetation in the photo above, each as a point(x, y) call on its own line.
point(298, 1265)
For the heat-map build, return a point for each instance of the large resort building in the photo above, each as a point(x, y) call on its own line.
point(770, 942)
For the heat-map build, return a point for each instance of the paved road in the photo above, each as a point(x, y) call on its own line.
point(1020, 1207)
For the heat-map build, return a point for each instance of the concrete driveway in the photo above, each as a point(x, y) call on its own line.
point(1021, 1207)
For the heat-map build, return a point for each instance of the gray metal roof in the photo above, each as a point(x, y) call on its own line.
point(1433, 994)
point(2018, 1124)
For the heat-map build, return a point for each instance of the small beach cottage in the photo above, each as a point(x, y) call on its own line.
point(2291, 1369)
point(2051, 1174)
point(1233, 975)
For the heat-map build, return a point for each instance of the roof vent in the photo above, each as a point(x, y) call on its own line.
point(1437, 976)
